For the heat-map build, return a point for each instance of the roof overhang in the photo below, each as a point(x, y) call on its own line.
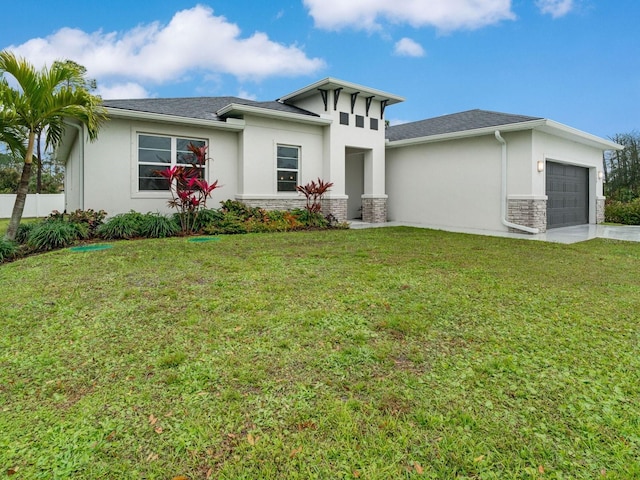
point(69, 135)
point(347, 87)
point(542, 125)
point(240, 110)
point(173, 119)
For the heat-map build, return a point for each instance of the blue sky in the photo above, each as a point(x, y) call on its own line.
point(573, 61)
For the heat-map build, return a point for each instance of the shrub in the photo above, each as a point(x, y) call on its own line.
point(230, 223)
point(121, 226)
point(90, 217)
point(189, 192)
point(154, 225)
point(310, 219)
point(274, 221)
point(8, 249)
point(314, 193)
point(24, 230)
point(206, 218)
point(627, 213)
point(242, 211)
point(53, 234)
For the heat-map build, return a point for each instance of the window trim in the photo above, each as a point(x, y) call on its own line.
point(136, 191)
point(296, 170)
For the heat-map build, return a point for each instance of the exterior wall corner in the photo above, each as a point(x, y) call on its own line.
point(527, 212)
point(374, 209)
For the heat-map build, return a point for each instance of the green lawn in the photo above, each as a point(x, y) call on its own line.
point(374, 354)
point(4, 223)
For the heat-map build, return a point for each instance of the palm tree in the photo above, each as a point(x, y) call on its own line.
point(41, 102)
point(10, 133)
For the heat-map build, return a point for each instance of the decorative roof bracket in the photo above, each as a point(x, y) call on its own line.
point(324, 94)
point(383, 105)
point(336, 95)
point(369, 99)
point(354, 96)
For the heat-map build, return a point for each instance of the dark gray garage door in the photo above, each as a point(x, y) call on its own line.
point(567, 195)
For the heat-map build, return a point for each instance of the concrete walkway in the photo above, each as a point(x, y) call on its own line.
point(575, 234)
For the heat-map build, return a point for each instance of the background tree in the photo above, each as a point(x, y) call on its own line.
point(51, 180)
point(622, 168)
point(41, 102)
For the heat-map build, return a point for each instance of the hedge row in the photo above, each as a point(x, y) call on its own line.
point(64, 230)
point(627, 213)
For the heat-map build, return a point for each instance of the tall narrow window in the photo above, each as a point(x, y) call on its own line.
point(156, 152)
point(288, 167)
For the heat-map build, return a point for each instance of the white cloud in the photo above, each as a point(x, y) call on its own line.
point(397, 121)
point(442, 14)
point(242, 93)
point(194, 41)
point(555, 8)
point(122, 90)
point(408, 48)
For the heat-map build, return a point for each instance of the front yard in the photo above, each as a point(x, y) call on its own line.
point(373, 354)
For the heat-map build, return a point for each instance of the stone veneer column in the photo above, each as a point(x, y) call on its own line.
point(374, 209)
point(600, 209)
point(527, 212)
point(336, 207)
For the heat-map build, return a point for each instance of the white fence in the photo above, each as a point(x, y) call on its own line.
point(37, 205)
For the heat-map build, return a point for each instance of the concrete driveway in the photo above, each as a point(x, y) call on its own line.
point(579, 233)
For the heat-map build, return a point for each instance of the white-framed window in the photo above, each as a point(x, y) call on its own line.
point(158, 152)
point(288, 167)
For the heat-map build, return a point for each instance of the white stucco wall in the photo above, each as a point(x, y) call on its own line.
point(456, 183)
point(353, 137)
point(340, 137)
point(73, 177)
point(551, 148)
point(259, 141)
point(110, 167)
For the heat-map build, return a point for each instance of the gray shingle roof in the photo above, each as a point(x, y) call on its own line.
point(456, 122)
point(197, 107)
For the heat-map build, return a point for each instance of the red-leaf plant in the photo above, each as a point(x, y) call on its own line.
point(314, 192)
point(189, 192)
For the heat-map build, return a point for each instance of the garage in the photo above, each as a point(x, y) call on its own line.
point(567, 195)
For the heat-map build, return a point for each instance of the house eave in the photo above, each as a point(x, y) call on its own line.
point(173, 119)
point(542, 125)
point(331, 83)
point(560, 130)
point(239, 109)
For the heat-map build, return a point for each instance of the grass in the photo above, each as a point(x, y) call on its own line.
point(377, 354)
point(4, 223)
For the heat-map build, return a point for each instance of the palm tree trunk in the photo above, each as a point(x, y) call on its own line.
point(21, 198)
point(39, 171)
point(23, 189)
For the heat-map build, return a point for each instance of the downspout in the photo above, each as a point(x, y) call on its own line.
point(503, 203)
point(81, 166)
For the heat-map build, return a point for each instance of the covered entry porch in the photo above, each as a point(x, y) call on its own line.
point(366, 200)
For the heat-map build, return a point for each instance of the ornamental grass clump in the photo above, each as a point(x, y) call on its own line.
point(155, 225)
point(52, 234)
point(8, 249)
point(122, 226)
